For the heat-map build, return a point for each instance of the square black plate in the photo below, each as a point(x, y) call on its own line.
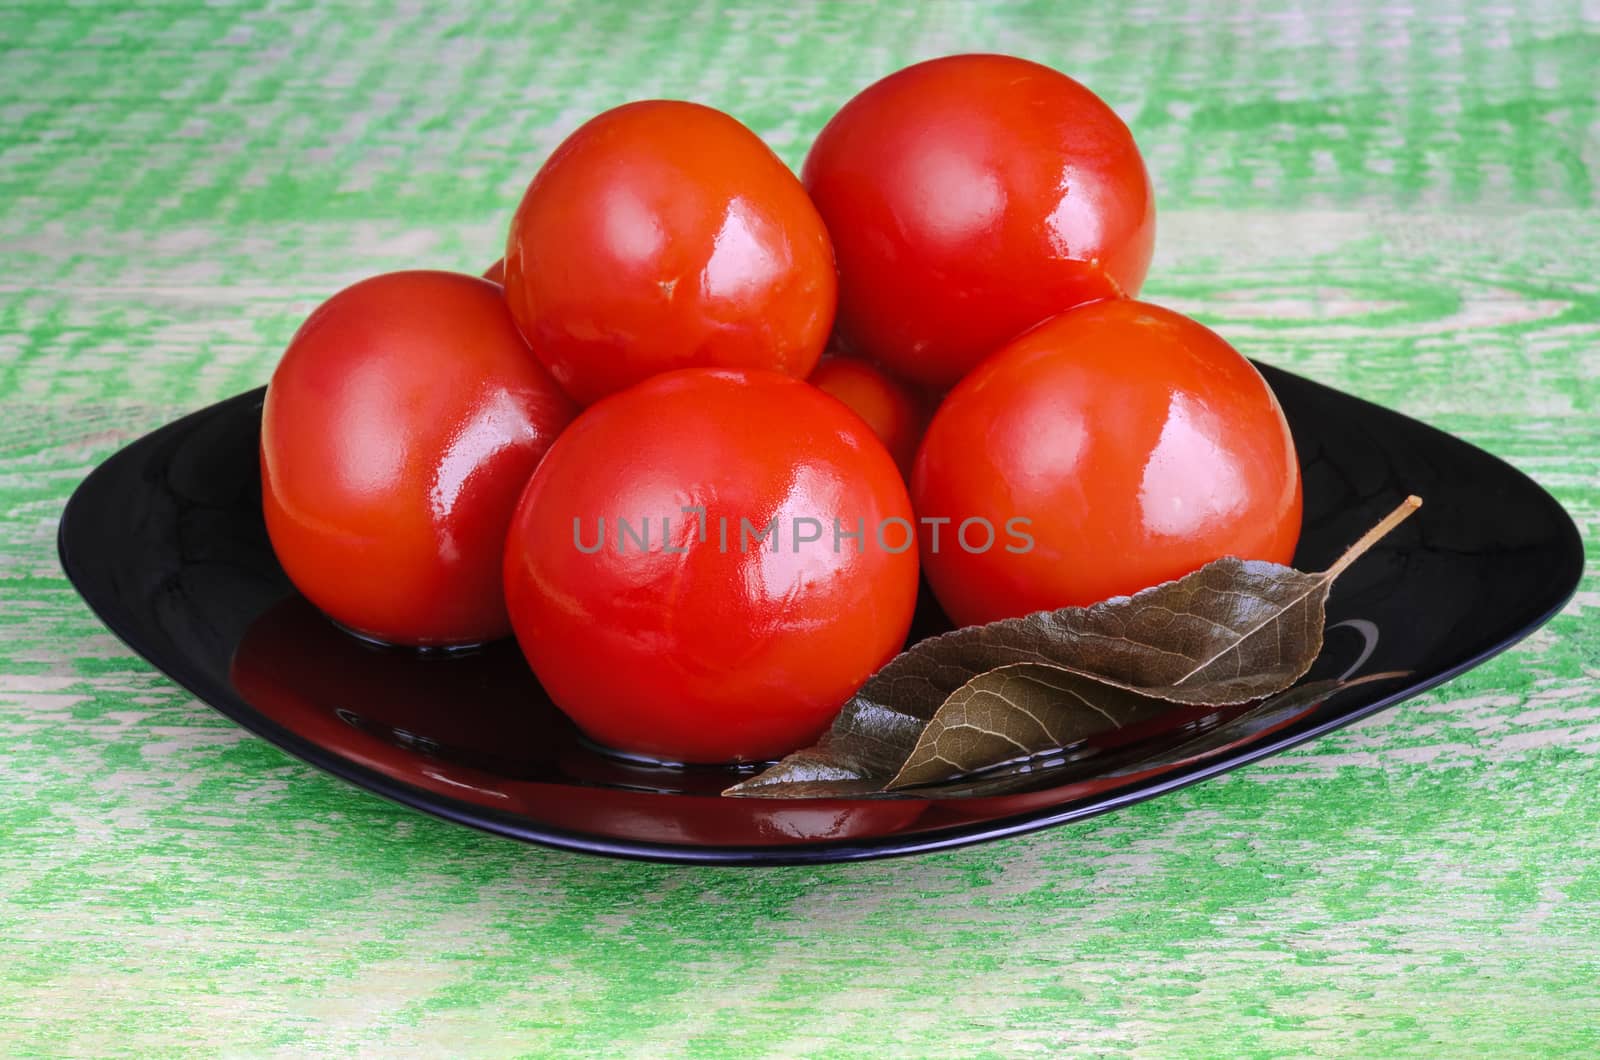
point(165, 542)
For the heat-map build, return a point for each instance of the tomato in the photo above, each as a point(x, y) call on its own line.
point(689, 635)
point(1136, 444)
point(664, 235)
point(399, 430)
point(496, 273)
point(893, 410)
point(969, 198)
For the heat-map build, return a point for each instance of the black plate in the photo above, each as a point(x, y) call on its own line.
point(165, 542)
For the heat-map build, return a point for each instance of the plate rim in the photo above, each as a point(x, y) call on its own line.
point(511, 826)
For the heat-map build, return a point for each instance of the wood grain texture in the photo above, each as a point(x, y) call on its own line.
point(1400, 201)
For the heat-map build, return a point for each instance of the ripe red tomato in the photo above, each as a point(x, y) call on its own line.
point(399, 430)
point(664, 235)
point(895, 413)
point(1138, 444)
point(496, 273)
point(969, 198)
point(699, 641)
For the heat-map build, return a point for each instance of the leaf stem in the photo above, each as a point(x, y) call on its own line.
point(1373, 536)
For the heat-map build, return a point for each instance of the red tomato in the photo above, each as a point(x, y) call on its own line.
point(662, 640)
point(399, 430)
point(496, 273)
point(969, 198)
point(1136, 442)
point(894, 412)
point(663, 235)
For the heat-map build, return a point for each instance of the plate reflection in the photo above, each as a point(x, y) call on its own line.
point(477, 727)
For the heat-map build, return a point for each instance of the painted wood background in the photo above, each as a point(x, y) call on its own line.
point(1399, 200)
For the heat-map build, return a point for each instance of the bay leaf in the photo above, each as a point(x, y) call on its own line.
point(865, 746)
point(1234, 728)
point(1014, 712)
point(1217, 730)
point(1231, 632)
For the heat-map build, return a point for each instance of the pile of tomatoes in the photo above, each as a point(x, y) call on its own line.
point(700, 434)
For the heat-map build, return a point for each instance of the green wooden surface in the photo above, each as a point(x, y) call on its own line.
point(1400, 204)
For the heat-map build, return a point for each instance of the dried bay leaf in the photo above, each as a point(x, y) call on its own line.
point(1231, 632)
point(1241, 727)
point(865, 746)
point(1018, 711)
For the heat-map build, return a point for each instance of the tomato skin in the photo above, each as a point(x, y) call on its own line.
point(896, 413)
point(496, 273)
point(399, 430)
point(1139, 444)
point(724, 652)
point(662, 235)
point(969, 198)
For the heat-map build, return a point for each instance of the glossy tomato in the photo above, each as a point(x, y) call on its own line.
point(496, 273)
point(896, 413)
point(662, 235)
point(399, 430)
point(1134, 443)
point(708, 564)
point(969, 198)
